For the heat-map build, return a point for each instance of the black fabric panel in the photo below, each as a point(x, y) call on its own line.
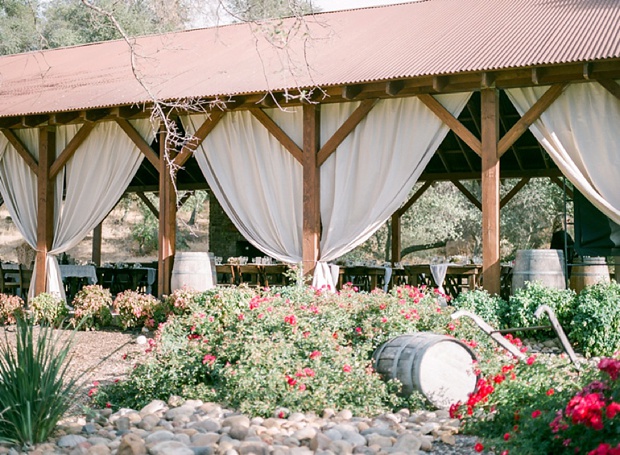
point(595, 233)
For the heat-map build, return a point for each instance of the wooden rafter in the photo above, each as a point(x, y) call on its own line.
point(560, 183)
point(553, 172)
point(611, 86)
point(138, 141)
point(71, 148)
point(345, 129)
point(278, 133)
point(530, 117)
point(515, 189)
point(201, 133)
point(21, 150)
point(414, 198)
point(144, 198)
point(473, 199)
point(455, 125)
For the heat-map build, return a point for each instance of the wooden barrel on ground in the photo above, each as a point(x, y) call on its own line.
point(543, 266)
point(195, 270)
point(590, 270)
point(438, 366)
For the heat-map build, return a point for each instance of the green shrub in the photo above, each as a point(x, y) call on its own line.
point(137, 310)
point(11, 307)
point(484, 305)
point(294, 347)
point(48, 309)
point(595, 328)
point(519, 312)
point(92, 307)
point(35, 390)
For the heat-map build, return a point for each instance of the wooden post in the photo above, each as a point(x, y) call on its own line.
point(45, 207)
point(396, 240)
point(97, 236)
point(311, 188)
point(490, 191)
point(167, 216)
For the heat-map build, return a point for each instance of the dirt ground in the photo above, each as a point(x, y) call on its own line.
point(103, 356)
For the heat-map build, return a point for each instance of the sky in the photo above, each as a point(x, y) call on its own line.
point(334, 5)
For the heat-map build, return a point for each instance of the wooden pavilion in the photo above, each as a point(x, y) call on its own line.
point(419, 51)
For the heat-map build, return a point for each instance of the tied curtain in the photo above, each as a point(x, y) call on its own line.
point(93, 181)
point(579, 131)
point(259, 183)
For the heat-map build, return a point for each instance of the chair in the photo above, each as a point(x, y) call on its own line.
point(275, 275)
point(226, 274)
point(8, 287)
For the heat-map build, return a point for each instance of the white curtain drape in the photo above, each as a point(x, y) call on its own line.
point(581, 133)
point(97, 175)
point(255, 179)
point(372, 172)
point(18, 183)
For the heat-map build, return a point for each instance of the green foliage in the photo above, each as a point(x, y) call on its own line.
point(48, 309)
point(595, 327)
point(35, 390)
point(137, 310)
point(92, 307)
point(11, 307)
point(295, 347)
point(481, 303)
point(523, 304)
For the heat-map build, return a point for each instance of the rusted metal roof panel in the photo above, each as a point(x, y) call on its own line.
point(431, 37)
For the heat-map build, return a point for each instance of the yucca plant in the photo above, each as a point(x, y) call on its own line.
point(35, 387)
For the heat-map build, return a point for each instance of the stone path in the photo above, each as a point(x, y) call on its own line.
point(196, 428)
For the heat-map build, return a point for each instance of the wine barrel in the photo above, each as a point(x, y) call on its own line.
point(590, 270)
point(438, 366)
point(543, 266)
point(195, 270)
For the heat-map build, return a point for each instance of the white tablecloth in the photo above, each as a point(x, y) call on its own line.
point(79, 271)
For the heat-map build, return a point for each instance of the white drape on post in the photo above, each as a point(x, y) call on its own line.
point(255, 179)
point(97, 175)
point(18, 183)
point(372, 172)
point(580, 132)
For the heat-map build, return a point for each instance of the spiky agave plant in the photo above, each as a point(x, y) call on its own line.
point(35, 387)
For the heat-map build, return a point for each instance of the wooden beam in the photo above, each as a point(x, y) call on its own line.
point(278, 133)
point(393, 88)
point(148, 203)
point(536, 74)
point(611, 86)
point(188, 186)
point(32, 121)
point(587, 71)
point(560, 183)
point(515, 189)
point(45, 206)
point(96, 247)
point(490, 191)
point(10, 122)
point(396, 238)
point(401, 211)
point(487, 80)
point(138, 141)
point(433, 176)
point(530, 117)
point(311, 188)
point(473, 199)
point(62, 118)
point(439, 83)
point(94, 115)
point(71, 148)
point(453, 123)
point(349, 92)
point(167, 217)
point(201, 133)
point(345, 129)
point(21, 149)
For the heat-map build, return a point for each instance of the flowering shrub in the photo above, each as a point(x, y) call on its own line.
point(523, 304)
point(11, 307)
point(294, 347)
point(48, 309)
point(178, 302)
point(595, 327)
point(137, 310)
point(92, 307)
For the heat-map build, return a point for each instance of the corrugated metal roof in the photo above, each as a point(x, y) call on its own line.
point(399, 41)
